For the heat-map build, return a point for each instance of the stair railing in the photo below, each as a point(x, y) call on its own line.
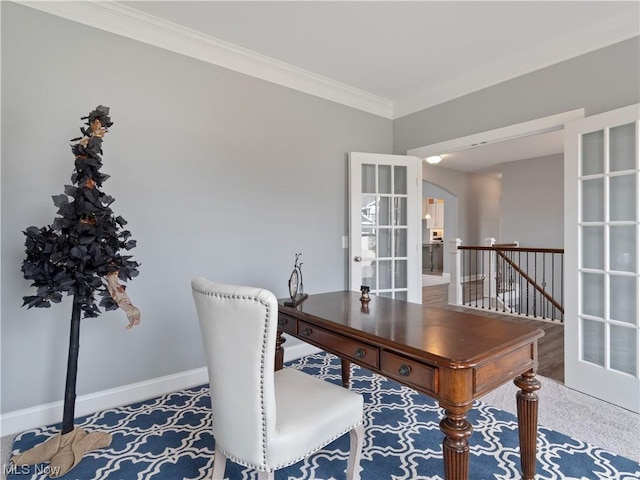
point(508, 279)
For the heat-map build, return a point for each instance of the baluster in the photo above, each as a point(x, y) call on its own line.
point(544, 311)
point(527, 270)
point(476, 278)
point(562, 285)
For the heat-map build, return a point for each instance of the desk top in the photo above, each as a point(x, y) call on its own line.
point(458, 339)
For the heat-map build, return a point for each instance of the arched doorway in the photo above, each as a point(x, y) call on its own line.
point(443, 235)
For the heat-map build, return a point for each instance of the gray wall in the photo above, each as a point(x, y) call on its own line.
point(219, 174)
point(483, 209)
point(534, 186)
point(478, 214)
point(599, 81)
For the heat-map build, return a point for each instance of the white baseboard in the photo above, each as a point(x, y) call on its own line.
point(299, 350)
point(20, 420)
point(28, 418)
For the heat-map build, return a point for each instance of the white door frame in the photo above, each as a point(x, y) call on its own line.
point(525, 129)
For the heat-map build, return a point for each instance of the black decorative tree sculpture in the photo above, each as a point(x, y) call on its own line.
point(79, 254)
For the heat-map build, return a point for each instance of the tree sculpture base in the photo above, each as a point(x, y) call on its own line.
point(64, 450)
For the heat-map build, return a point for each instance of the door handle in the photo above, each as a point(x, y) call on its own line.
point(357, 258)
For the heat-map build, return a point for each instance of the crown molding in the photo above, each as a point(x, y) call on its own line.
point(542, 55)
point(117, 18)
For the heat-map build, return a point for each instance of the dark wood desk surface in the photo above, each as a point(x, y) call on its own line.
point(451, 356)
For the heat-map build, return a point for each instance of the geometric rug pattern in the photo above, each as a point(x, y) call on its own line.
point(169, 438)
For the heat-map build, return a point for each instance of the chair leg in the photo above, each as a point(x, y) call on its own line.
point(356, 439)
point(219, 461)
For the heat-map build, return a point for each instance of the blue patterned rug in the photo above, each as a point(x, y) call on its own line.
point(168, 438)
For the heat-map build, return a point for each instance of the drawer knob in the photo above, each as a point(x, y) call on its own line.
point(307, 332)
point(282, 321)
point(360, 353)
point(404, 370)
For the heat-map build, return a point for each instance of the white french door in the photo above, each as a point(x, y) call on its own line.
point(602, 256)
point(384, 225)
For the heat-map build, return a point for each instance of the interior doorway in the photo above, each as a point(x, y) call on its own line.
point(480, 153)
point(439, 228)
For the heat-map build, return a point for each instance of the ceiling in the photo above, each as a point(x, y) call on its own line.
point(417, 53)
point(400, 56)
point(484, 158)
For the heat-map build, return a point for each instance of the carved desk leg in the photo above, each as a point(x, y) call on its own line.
point(455, 446)
point(345, 365)
point(279, 351)
point(527, 403)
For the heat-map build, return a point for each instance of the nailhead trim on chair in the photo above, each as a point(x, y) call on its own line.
point(278, 467)
point(265, 467)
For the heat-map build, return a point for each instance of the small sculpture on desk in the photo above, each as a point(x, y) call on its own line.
point(365, 298)
point(296, 287)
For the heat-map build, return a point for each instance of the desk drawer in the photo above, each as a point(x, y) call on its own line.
point(408, 371)
point(287, 324)
point(343, 346)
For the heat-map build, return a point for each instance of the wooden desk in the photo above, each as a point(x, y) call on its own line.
point(451, 356)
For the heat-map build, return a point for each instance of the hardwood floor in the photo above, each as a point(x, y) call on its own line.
point(550, 347)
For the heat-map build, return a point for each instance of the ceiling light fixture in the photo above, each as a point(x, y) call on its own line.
point(434, 159)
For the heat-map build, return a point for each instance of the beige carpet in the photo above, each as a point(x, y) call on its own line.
point(578, 415)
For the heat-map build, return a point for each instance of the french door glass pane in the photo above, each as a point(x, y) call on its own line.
point(623, 299)
point(384, 242)
point(593, 153)
point(593, 342)
point(369, 274)
point(400, 242)
point(624, 349)
point(623, 248)
point(401, 295)
point(368, 178)
point(368, 211)
point(401, 274)
point(593, 294)
point(622, 196)
point(369, 242)
point(385, 274)
point(384, 178)
point(593, 200)
point(593, 247)
point(385, 211)
point(622, 141)
point(400, 207)
point(400, 180)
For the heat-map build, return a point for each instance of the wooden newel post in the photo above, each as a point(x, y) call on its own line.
point(68, 413)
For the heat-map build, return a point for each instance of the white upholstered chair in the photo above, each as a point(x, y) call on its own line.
point(263, 419)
